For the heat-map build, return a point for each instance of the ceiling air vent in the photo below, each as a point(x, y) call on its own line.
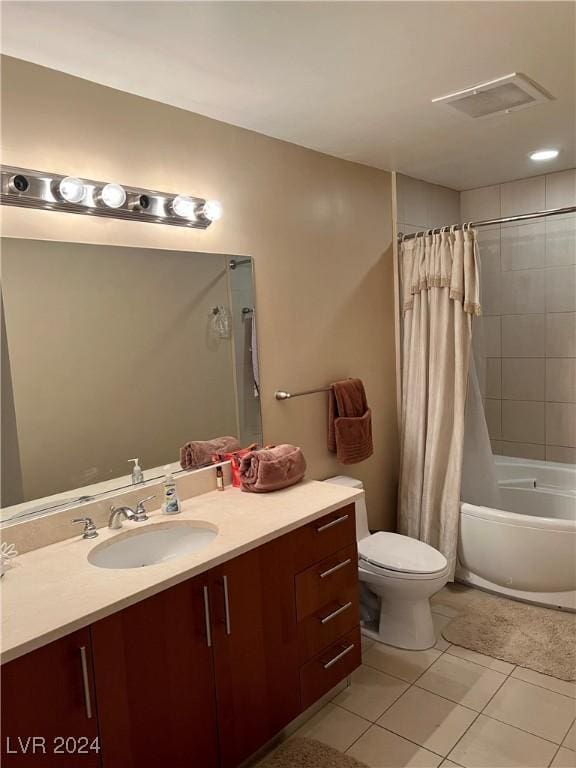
point(496, 97)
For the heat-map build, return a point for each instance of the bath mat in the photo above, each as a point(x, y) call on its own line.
point(542, 639)
point(308, 753)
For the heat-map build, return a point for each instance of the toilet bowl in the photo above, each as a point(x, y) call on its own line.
point(398, 576)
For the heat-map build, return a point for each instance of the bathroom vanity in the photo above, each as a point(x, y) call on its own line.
point(199, 664)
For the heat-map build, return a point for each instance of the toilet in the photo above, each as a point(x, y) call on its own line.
point(398, 576)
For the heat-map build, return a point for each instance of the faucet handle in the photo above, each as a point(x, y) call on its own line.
point(89, 531)
point(140, 511)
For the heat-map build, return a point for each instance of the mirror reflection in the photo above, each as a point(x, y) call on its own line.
point(112, 353)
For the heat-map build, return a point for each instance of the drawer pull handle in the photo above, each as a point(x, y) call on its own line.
point(335, 613)
point(330, 571)
point(338, 657)
point(332, 523)
point(226, 605)
point(207, 617)
point(86, 682)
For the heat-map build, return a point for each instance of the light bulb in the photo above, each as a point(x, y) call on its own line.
point(212, 210)
point(113, 195)
point(72, 190)
point(185, 207)
point(544, 154)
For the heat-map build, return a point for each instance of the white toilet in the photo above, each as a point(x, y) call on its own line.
point(398, 576)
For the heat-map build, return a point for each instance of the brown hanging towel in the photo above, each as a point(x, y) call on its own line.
point(349, 422)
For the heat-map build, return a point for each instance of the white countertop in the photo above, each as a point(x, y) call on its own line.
point(54, 590)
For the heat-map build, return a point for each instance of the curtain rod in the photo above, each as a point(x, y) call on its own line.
point(488, 222)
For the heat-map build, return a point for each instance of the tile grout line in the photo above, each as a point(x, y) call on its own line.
point(374, 723)
point(543, 687)
point(506, 676)
point(476, 718)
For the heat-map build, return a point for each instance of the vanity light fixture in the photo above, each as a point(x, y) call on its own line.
point(55, 192)
point(113, 195)
point(544, 154)
point(184, 206)
point(212, 210)
point(71, 190)
point(18, 183)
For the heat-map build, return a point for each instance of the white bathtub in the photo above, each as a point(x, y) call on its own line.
point(527, 550)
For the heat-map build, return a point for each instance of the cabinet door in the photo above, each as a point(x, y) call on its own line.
point(155, 682)
point(255, 648)
point(48, 707)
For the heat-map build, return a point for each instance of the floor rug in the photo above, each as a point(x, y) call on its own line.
point(308, 753)
point(542, 639)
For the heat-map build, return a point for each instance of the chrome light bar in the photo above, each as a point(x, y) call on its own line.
point(53, 192)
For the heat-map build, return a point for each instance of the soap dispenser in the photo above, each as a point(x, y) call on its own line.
point(171, 504)
point(137, 474)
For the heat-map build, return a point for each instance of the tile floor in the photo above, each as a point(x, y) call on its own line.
point(448, 707)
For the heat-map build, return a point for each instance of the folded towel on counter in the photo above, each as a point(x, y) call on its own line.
point(349, 422)
point(272, 468)
point(196, 453)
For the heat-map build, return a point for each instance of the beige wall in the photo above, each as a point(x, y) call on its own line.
point(111, 356)
point(319, 229)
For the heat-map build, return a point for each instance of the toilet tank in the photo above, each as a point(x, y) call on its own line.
point(362, 530)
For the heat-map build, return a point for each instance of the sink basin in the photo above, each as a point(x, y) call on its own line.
point(153, 544)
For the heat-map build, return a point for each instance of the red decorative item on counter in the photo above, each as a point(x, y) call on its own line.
point(235, 457)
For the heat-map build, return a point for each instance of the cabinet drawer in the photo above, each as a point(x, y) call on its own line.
point(325, 581)
point(324, 536)
point(325, 626)
point(321, 674)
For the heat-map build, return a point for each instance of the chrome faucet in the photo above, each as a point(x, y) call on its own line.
point(89, 531)
point(118, 514)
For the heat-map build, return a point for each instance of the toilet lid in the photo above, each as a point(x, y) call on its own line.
point(401, 553)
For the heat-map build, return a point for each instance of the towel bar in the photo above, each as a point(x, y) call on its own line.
point(281, 395)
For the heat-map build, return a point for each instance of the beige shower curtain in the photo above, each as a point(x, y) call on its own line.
point(440, 289)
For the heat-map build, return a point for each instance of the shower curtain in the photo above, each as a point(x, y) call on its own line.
point(440, 289)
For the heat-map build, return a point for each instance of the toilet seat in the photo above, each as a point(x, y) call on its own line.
point(378, 570)
point(400, 557)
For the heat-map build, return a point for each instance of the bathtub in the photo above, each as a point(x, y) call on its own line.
point(527, 550)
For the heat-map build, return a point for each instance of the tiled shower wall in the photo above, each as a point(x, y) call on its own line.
point(527, 335)
point(422, 205)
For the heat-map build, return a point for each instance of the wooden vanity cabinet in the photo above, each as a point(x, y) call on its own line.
point(154, 673)
point(49, 713)
point(204, 673)
point(255, 648)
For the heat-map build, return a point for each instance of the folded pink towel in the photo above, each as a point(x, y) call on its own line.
point(272, 468)
point(196, 453)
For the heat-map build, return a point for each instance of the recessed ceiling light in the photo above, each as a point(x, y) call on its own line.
point(544, 154)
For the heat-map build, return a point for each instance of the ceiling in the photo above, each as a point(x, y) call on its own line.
point(352, 79)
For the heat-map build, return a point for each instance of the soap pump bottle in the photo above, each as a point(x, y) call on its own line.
point(171, 504)
point(137, 474)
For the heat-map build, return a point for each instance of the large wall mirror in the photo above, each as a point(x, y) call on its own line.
point(111, 353)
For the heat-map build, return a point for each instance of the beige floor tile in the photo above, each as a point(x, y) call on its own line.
point(565, 758)
point(490, 744)
point(570, 740)
point(448, 764)
point(461, 681)
point(537, 710)
point(552, 683)
point(440, 621)
point(453, 595)
point(366, 643)
point(370, 693)
point(407, 665)
point(334, 726)
point(427, 719)
point(484, 661)
point(381, 749)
